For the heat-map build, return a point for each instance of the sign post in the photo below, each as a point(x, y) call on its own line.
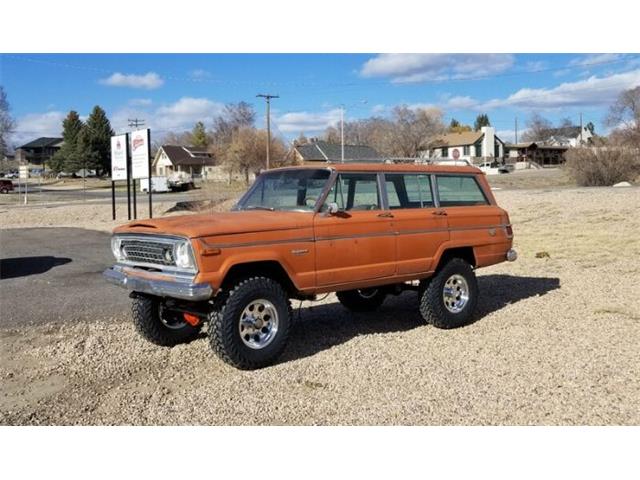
point(24, 175)
point(119, 167)
point(141, 160)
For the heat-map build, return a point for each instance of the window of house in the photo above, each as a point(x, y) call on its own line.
point(496, 149)
point(355, 191)
point(466, 150)
point(408, 190)
point(445, 152)
point(459, 190)
point(478, 148)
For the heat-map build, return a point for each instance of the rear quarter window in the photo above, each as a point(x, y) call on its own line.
point(460, 190)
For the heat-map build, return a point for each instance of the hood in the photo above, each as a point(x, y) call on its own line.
point(224, 223)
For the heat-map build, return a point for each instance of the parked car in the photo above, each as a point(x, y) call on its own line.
point(180, 181)
point(6, 186)
point(365, 231)
point(12, 174)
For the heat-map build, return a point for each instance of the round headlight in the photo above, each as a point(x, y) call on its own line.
point(183, 255)
point(116, 248)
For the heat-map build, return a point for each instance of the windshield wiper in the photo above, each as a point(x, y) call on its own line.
point(258, 207)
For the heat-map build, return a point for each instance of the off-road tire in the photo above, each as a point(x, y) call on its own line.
point(146, 318)
point(224, 335)
point(432, 306)
point(356, 302)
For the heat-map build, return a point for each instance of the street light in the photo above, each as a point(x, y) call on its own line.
point(342, 107)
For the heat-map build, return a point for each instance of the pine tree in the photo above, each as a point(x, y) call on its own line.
point(96, 144)
point(199, 136)
point(67, 157)
point(482, 120)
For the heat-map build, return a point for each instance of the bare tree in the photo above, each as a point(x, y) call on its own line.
point(413, 130)
point(7, 124)
point(247, 151)
point(624, 117)
point(538, 129)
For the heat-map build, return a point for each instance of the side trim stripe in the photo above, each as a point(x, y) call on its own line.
point(347, 237)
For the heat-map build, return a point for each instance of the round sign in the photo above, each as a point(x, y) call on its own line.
point(456, 154)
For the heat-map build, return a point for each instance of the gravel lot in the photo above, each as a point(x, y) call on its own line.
point(555, 342)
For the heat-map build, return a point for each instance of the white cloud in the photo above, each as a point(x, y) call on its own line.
point(148, 81)
point(461, 103)
point(378, 109)
point(592, 91)
point(140, 102)
point(199, 74)
point(34, 125)
point(176, 117)
point(421, 67)
point(307, 122)
point(595, 58)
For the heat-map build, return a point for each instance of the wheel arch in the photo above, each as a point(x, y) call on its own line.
point(465, 253)
point(267, 268)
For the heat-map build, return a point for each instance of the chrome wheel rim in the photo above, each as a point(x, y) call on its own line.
point(258, 324)
point(368, 293)
point(455, 293)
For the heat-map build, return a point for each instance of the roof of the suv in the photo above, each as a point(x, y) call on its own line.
point(391, 167)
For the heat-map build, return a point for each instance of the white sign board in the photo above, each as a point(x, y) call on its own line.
point(140, 154)
point(119, 157)
point(23, 172)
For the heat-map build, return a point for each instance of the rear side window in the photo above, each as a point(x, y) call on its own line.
point(459, 190)
point(355, 191)
point(408, 190)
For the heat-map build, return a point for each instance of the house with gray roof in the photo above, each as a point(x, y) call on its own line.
point(38, 151)
point(178, 158)
point(321, 151)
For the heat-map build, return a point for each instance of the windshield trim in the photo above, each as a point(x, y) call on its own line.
point(239, 206)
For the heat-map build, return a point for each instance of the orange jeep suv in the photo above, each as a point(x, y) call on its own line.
point(364, 231)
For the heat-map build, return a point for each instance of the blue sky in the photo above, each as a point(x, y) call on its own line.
point(172, 92)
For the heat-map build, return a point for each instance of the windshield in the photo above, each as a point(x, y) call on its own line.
point(286, 190)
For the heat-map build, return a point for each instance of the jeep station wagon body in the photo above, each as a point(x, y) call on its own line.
point(362, 230)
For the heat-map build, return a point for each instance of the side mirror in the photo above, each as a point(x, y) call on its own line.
point(332, 208)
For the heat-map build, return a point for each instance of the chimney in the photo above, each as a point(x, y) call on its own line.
point(488, 142)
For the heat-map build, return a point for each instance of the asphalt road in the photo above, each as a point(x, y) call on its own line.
point(55, 274)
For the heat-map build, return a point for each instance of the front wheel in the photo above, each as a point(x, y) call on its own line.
point(449, 298)
point(160, 325)
point(362, 300)
point(250, 326)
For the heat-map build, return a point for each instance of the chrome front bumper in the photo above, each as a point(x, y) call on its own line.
point(159, 284)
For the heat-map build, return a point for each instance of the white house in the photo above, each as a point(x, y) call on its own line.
point(475, 147)
point(569, 137)
point(176, 158)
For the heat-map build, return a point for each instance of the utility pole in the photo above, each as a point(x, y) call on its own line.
point(580, 129)
point(516, 130)
point(342, 133)
point(135, 122)
point(268, 98)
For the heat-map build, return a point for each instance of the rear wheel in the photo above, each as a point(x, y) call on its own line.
point(449, 298)
point(160, 325)
point(362, 300)
point(250, 326)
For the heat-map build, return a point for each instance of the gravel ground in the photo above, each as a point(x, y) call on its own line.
point(555, 342)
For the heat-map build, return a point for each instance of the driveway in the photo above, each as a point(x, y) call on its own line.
point(55, 274)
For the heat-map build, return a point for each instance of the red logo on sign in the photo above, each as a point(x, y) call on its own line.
point(138, 142)
point(118, 146)
point(456, 154)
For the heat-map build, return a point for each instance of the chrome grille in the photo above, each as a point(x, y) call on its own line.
point(146, 251)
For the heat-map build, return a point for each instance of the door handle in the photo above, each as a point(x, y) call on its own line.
point(439, 212)
point(385, 215)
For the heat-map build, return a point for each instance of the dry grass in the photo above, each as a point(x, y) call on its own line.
point(555, 342)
